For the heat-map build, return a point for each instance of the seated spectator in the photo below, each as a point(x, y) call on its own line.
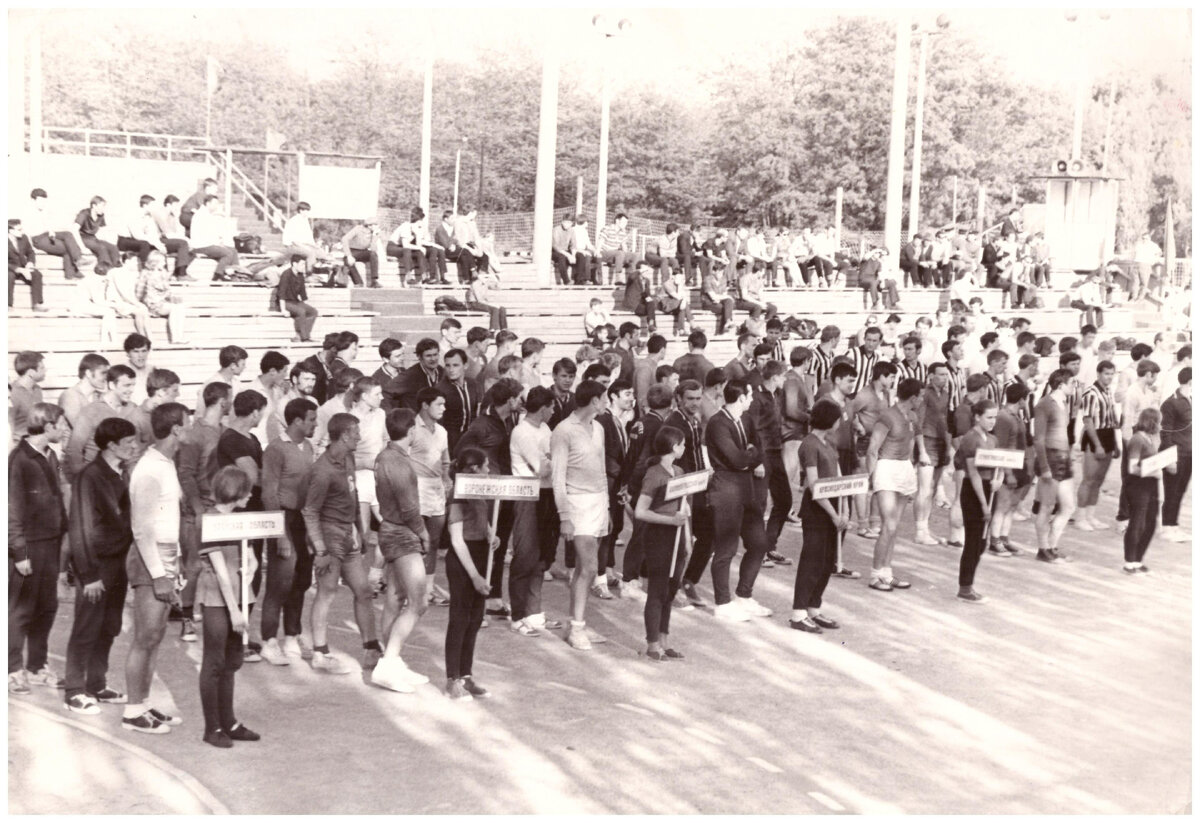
point(139, 237)
point(1022, 292)
point(960, 292)
point(90, 221)
point(153, 290)
point(687, 251)
point(910, 256)
point(405, 245)
point(750, 286)
point(479, 299)
point(714, 297)
point(755, 324)
point(1040, 251)
point(595, 317)
point(45, 238)
point(1085, 296)
point(435, 254)
point(471, 254)
point(639, 297)
point(92, 299)
point(192, 205)
point(823, 258)
point(172, 236)
point(444, 236)
point(756, 245)
point(663, 256)
point(587, 257)
point(614, 247)
point(361, 245)
point(293, 299)
point(561, 255)
point(676, 300)
point(122, 295)
point(488, 244)
point(298, 237)
point(21, 266)
point(712, 254)
point(210, 237)
point(869, 273)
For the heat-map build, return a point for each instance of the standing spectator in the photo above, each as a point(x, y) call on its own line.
point(1177, 432)
point(115, 402)
point(154, 291)
point(293, 297)
point(25, 392)
point(614, 247)
point(429, 452)
point(687, 248)
point(101, 533)
point(1141, 489)
point(232, 360)
point(910, 255)
point(1099, 444)
point(694, 365)
point(190, 206)
point(1146, 256)
point(361, 245)
point(391, 351)
point(90, 221)
point(210, 237)
point(37, 521)
point(93, 371)
point(46, 238)
point(462, 396)
point(1142, 394)
point(21, 260)
point(764, 412)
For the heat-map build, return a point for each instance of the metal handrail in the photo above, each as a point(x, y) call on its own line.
point(94, 139)
point(249, 188)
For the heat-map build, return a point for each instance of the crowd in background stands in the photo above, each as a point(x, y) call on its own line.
point(109, 484)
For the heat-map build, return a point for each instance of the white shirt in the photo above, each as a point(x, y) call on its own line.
point(297, 231)
point(209, 229)
point(530, 449)
point(154, 497)
point(372, 437)
point(429, 452)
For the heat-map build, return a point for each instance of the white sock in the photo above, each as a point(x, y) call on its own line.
point(133, 710)
point(577, 625)
point(799, 614)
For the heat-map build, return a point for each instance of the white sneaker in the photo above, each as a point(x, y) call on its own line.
point(389, 674)
point(926, 539)
point(413, 678)
point(633, 591)
point(731, 613)
point(290, 646)
point(1084, 525)
point(329, 664)
point(273, 654)
point(1178, 535)
point(577, 639)
point(523, 628)
point(753, 608)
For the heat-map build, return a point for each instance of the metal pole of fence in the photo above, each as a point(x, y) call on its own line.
point(980, 207)
point(837, 219)
point(35, 96)
point(579, 194)
point(228, 183)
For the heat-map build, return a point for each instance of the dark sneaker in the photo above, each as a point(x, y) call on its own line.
point(689, 591)
point(145, 723)
point(218, 739)
point(474, 689)
point(165, 719)
point(107, 695)
point(188, 633)
point(241, 733)
point(82, 704)
point(779, 559)
point(457, 690)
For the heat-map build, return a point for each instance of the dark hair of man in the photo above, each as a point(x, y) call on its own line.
point(209, 198)
point(1087, 329)
point(297, 409)
point(955, 331)
point(1105, 365)
point(450, 323)
point(230, 355)
point(477, 334)
point(980, 406)
point(825, 414)
point(399, 423)
point(538, 398)
point(799, 356)
point(329, 342)
point(620, 215)
point(658, 397)
point(1027, 360)
point(144, 199)
point(830, 333)
point(565, 365)
point(744, 338)
point(303, 206)
point(36, 193)
point(118, 371)
point(988, 338)
point(42, 416)
point(507, 363)
point(655, 344)
point(273, 361)
point(113, 430)
point(13, 222)
point(589, 390)
point(428, 396)
point(1067, 344)
point(715, 377)
point(505, 336)
point(97, 200)
point(935, 366)
point(664, 372)
point(459, 353)
point(978, 382)
point(89, 363)
point(301, 368)
point(169, 199)
point(1144, 367)
point(735, 390)
point(166, 417)
point(531, 346)
point(597, 370)
point(773, 368)
point(627, 329)
point(1067, 358)
point(1016, 392)
point(875, 330)
point(501, 392)
point(1184, 353)
point(841, 371)
point(215, 393)
point(687, 386)
point(339, 424)
point(27, 361)
point(911, 340)
point(763, 350)
point(136, 341)
point(1140, 350)
point(1057, 378)
point(1025, 338)
point(159, 379)
point(617, 386)
point(425, 344)
point(248, 402)
point(909, 387)
point(468, 458)
point(883, 369)
point(775, 324)
point(949, 346)
point(996, 355)
point(1044, 346)
point(346, 339)
point(387, 346)
point(697, 339)
point(1185, 375)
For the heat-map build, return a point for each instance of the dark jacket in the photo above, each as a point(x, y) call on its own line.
point(100, 524)
point(457, 418)
point(724, 449)
point(617, 463)
point(690, 462)
point(490, 434)
point(20, 254)
point(563, 406)
point(764, 413)
point(35, 500)
point(409, 382)
point(1177, 424)
point(321, 388)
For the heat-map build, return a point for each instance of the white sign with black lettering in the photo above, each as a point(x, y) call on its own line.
point(496, 487)
point(217, 527)
point(999, 458)
point(841, 486)
point(1159, 461)
point(686, 484)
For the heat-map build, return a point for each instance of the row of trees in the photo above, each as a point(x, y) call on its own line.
point(768, 146)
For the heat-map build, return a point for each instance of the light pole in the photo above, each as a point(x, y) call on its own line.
point(426, 130)
point(543, 201)
point(914, 192)
point(895, 178)
point(457, 168)
point(1081, 84)
point(602, 25)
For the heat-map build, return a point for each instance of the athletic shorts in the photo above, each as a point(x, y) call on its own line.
point(432, 495)
point(860, 447)
point(898, 476)
point(1023, 478)
point(396, 541)
point(1058, 463)
point(588, 513)
point(339, 540)
point(1108, 441)
point(848, 461)
point(939, 454)
point(364, 479)
point(139, 575)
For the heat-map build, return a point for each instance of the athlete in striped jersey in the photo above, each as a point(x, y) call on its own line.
point(1098, 443)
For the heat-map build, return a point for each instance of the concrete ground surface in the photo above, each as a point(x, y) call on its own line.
point(1068, 691)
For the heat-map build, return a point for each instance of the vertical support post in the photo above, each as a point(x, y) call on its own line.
point(482, 151)
point(602, 181)
point(954, 203)
point(980, 208)
point(543, 201)
point(228, 183)
point(837, 218)
point(17, 28)
point(35, 96)
point(245, 587)
point(914, 186)
point(579, 194)
point(895, 179)
point(457, 166)
point(426, 129)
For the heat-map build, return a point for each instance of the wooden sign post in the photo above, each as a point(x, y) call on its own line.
point(839, 487)
point(997, 459)
point(682, 486)
point(243, 527)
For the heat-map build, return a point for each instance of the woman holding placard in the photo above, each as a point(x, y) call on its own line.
point(471, 538)
point(666, 522)
point(976, 495)
point(822, 520)
point(1141, 489)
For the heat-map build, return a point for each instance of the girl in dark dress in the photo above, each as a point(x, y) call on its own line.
point(663, 520)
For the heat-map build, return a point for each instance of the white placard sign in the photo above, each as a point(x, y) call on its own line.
point(687, 484)
point(1159, 461)
point(999, 458)
point(496, 487)
point(240, 526)
point(841, 486)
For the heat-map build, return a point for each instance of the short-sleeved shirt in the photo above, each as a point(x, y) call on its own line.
point(815, 452)
point(1010, 431)
point(208, 587)
point(962, 421)
point(972, 442)
point(901, 434)
point(233, 445)
point(473, 514)
point(654, 486)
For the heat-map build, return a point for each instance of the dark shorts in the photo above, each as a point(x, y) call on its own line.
point(396, 541)
point(848, 461)
point(860, 446)
point(1108, 441)
point(1058, 463)
point(339, 540)
point(1023, 478)
point(139, 575)
point(935, 447)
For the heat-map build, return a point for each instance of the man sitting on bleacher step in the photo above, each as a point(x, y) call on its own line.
point(45, 238)
point(211, 237)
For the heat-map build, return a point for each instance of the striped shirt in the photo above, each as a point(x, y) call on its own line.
point(917, 372)
point(995, 388)
point(614, 238)
point(957, 385)
point(819, 365)
point(1026, 408)
point(863, 364)
point(1098, 404)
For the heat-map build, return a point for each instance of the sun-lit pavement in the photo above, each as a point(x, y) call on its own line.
point(1069, 691)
